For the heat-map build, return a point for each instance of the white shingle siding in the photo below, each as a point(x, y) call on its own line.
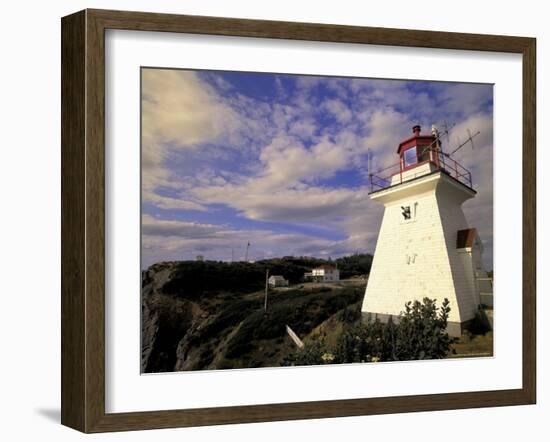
point(326, 274)
point(277, 281)
point(418, 258)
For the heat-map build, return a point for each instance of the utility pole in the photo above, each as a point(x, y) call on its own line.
point(266, 287)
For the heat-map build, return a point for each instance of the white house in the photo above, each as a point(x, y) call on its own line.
point(277, 281)
point(326, 273)
point(425, 247)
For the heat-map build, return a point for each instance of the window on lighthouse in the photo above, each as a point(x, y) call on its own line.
point(409, 212)
point(409, 157)
point(423, 153)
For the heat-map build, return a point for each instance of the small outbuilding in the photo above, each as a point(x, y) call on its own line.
point(277, 281)
point(470, 250)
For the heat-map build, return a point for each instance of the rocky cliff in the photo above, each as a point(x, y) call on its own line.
point(209, 315)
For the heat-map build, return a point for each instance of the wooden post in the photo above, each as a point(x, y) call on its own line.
point(295, 338)
point(266, 288)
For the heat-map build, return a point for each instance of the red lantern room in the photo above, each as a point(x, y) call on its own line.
point(420, 155)
point(417, 150)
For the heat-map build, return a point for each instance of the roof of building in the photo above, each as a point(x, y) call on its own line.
point(277, 277)
point(325, 267)
point(466, 238)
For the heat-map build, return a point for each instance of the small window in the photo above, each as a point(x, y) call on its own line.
point(423, 153)
point(409, 157)
point(409, 212)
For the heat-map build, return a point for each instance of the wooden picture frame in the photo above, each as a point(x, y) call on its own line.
point(83, 220)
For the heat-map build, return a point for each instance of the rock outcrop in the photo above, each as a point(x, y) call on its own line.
point(190, 321)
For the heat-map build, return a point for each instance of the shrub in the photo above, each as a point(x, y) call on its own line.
point(351, 314)
point(419, 334)
point(315, 353)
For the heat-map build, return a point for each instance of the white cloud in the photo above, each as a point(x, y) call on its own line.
point(464, 98)
point(165, 240)
point(304, 129)
point(479, 160)
point(179, 112)
point(286, 161)
point(285, 188)
point(179, 108)
point(387, 128)
point(338, 109)
point(151, 226)
point(164, 202)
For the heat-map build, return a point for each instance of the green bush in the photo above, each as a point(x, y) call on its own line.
point(315, 353)
point(419, 334)
point(351, 314)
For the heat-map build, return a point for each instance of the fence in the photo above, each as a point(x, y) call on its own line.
point(395, 174)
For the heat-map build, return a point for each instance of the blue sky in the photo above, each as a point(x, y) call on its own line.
point(280, 161)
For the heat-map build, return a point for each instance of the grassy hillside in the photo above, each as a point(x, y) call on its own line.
point(210, 315)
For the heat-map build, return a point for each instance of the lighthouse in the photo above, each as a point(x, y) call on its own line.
point(425, 247)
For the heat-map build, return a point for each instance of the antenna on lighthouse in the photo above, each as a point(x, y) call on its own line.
point(435, 134)
point(470, 140)
point(437, 145)
point(439, 134)
point(369, 166)
point(446, 131)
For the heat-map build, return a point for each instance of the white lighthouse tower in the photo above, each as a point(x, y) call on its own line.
point(425, 247)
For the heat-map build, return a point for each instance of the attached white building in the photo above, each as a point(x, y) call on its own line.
point(277, 281)
point(425, 247)
point(470, 248)
point(326, 273)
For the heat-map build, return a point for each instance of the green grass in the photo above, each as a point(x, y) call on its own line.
point(470, 345)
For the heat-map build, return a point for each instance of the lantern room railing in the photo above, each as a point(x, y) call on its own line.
point(396, 174)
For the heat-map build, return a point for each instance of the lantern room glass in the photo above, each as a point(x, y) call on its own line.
point(423, 153)
point(409, 157)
